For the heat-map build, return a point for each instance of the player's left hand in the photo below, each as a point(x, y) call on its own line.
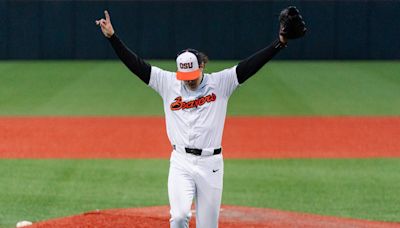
point(292, 25)
point(106, 26)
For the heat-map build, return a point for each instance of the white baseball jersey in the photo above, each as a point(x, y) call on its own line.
point(195, 119)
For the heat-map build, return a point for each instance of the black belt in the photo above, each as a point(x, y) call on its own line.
point(198, 151)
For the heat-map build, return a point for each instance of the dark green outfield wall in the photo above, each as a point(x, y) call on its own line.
point(223, 29)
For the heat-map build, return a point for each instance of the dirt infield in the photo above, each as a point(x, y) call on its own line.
point(244, 137)
point(231, 217)
point(144, 137)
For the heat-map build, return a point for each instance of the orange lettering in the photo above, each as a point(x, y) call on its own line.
point(178, 104)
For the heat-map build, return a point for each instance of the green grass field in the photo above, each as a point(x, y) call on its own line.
point(280, 88)
point(42, 189)
point(358, 188)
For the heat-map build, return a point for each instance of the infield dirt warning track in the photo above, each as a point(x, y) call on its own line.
point(244, 137)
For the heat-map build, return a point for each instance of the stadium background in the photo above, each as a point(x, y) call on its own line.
point(55, 62)
point(222, 29)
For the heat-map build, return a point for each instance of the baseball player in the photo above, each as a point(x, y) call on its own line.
point(195, 106)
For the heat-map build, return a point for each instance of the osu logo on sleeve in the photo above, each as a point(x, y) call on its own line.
point(178, 104)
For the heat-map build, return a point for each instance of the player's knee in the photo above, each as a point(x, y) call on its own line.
point(181, 218)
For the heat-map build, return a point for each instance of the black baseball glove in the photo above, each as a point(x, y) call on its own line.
point(292, 25)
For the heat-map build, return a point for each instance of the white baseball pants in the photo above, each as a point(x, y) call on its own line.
point(198, 178)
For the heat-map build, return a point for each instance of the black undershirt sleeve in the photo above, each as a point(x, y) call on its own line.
point(249, 66)
point(135, 64)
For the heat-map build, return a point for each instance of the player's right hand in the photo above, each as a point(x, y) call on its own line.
point(105, 25)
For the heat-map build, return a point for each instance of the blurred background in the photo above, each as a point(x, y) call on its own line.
point(357, 29)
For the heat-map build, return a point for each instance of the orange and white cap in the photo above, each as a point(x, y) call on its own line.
point(188, 66)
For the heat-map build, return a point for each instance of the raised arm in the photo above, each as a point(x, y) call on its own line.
point(249, 66)
point(134, 63)
point(292, 26)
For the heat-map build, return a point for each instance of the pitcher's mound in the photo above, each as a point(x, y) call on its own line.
point(230, 217)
